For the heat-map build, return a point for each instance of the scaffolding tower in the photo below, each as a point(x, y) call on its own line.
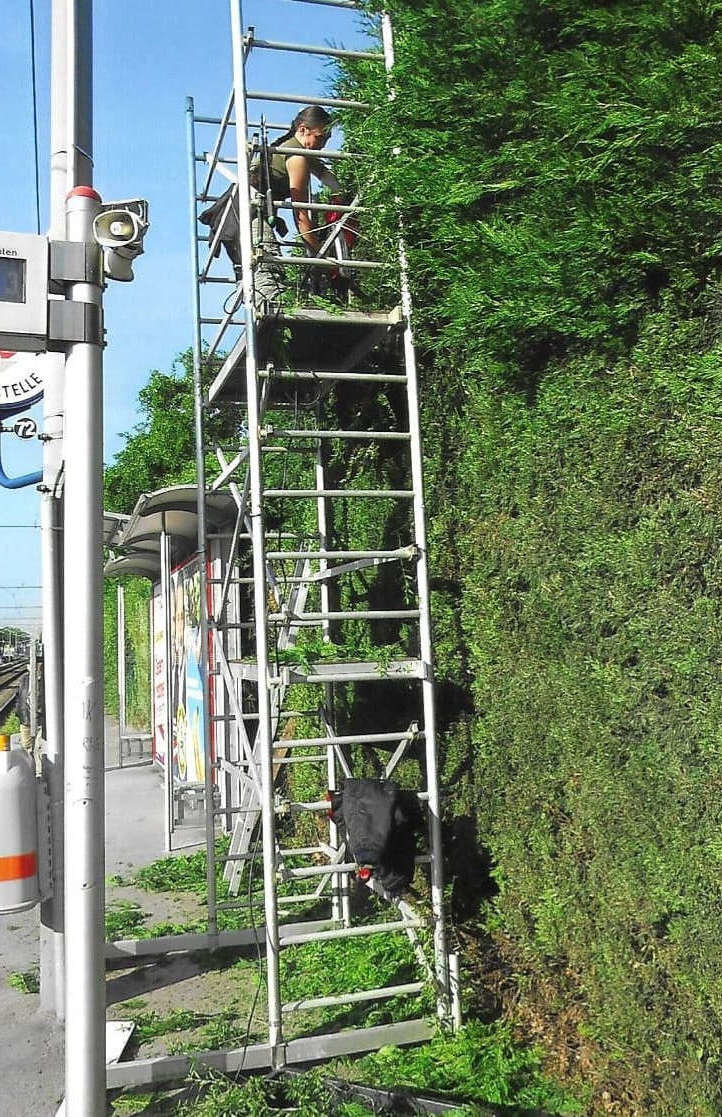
point(288, 592)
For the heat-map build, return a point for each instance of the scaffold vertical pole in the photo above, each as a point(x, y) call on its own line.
point(258, 542)
point(422, 575)
point(202, 544)
point(120, 614)
point(165, 593)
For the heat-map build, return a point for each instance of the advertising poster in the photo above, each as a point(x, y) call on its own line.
point(159, 675)
point(186, 696)
point(187, 688)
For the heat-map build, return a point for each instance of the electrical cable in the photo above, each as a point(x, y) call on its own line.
point(262, 978)
point(35, 112)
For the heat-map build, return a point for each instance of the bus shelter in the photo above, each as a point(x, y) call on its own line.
point(158, 541)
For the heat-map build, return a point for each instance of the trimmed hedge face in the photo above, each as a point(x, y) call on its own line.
point(560, 188)
point(138, 671)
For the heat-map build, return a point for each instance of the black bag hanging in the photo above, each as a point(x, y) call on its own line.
point(224, 216)
point(382, 823)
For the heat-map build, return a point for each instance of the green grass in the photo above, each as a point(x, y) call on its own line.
point(211, 1095)
point(124, 919)
point(25, 981)
point(11, 724)
point(481, 1063)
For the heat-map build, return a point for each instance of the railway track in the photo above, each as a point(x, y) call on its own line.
point(10, 674)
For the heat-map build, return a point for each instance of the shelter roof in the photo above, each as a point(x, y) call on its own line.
point(135, 539)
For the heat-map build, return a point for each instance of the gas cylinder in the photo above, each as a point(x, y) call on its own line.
point(18, 830)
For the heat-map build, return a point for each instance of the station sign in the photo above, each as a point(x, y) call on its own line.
point(24, 262)
point(21, 379)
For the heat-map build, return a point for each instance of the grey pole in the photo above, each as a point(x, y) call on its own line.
point(265, 728)
point(201, 551)
point(165, 563)
point(33, 689)
point(84, 757)
point(422, 575)
point(120, 597)
point(52, 949)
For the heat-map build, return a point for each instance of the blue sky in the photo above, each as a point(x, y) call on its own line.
point(148, 57)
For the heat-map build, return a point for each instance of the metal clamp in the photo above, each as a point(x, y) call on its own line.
point(74, 262)
point(70, 321)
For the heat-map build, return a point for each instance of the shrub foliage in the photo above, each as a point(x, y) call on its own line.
point(558, 181)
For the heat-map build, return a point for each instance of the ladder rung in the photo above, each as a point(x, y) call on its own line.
point(304, 898)
point(320, 870)
point(369, 436)
point(407, 990)
point(272, 126)
point(303, 48)
point(360, 739)
point(346, 615)
point(342, 494)
point(323, 805)
point(231, 581)
point(320, 207)
point(236, 810)
point(348, 932)
point(402, 552)
point(299, 759)
point(365, 377)
point(341, 671)
point(332, 3)
point(315, 262)
point(228, 161)
point(284, 713)
point(336, 867)
point(302, 99)
point(246, 535)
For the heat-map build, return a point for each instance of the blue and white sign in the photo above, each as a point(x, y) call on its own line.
point(21, 379)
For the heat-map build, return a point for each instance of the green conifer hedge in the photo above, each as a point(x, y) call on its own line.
point(559, 178)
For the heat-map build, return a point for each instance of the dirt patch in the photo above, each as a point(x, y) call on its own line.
point(199, 998)
point(157, 907)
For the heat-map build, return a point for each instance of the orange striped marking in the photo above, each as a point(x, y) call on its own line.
point(19, 867)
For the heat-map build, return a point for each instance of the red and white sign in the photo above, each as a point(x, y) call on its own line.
point(21, 378)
